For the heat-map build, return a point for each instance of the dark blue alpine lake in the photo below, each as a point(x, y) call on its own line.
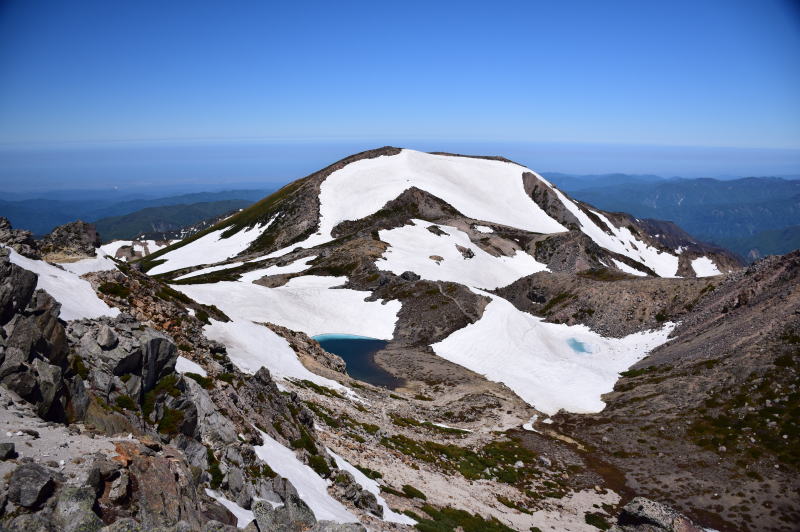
point(358, 352)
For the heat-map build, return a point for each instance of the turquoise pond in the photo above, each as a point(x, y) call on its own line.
point(358, 352)
point(578, 346)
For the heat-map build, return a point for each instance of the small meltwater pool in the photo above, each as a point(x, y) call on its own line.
point(578, 346)
point(358, 352)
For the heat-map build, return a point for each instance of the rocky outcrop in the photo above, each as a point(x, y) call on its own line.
point(122, 358)
point(20, 241)
point(71, 241)
point(644, 515)
point(544, 196)
point(33, 345)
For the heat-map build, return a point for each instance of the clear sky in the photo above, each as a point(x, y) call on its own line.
point(677, 73)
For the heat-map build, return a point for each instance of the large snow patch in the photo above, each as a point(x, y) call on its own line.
point(412, 246)
point(77, 297)
point(208, 249)
point(705, 267)
point(312, 488)
point(308, 303)
point(535, 359)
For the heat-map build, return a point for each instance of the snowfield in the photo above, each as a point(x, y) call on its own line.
point(209, 249)
point(210, 269)
point(479, 188)
point(705, 267)
point(412, 246)
point(251, 345)
point(77, 297)
point(312, 488)
point(535, 359)
point(307, 303)
point(100, 263)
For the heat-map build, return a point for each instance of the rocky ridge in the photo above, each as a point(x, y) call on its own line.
point(114, 380)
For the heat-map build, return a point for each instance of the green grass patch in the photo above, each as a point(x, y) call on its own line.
point(597, 520)
point(496, 460)
point(213, 469)
point(126, 402)
point(413, 493)
point(451, 519)
point(115, 290)
point(170, 421)
point(205, 382)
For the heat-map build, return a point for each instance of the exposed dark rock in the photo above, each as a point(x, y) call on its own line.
point(167, 493)
point(409, 276)
point(7, 451)
point(16, 287)
point(70, 241)
point(20, 241)
point(30, 485)
point(467, 253)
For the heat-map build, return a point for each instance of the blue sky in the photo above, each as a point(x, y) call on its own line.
point(679, 73)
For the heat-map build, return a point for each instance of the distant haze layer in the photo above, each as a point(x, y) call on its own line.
point(188, 166)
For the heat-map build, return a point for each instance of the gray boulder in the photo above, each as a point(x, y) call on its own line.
point(30, 485)
point(644, 515)
point(293, 516)
point(216, 526)
point(360, 497)
point(107, 338)
point(409, 276)
point(73, 511)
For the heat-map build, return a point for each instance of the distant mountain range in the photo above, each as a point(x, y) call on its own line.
point(165, 219)
point(754, 216)
point(41, 215)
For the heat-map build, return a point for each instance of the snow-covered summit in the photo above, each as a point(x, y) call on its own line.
point(488, 191)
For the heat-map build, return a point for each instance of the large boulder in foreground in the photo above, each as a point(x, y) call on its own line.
point(30, 485)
